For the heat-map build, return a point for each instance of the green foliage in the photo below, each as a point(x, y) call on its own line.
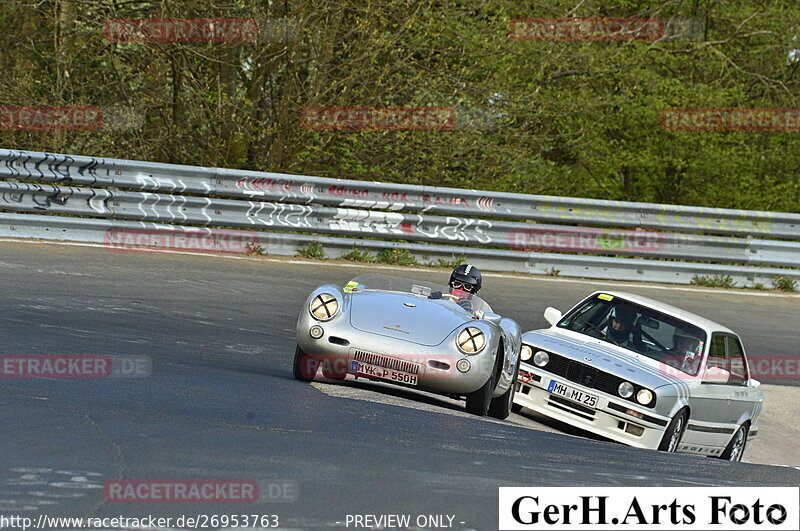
point(453, 262)
point(784, 283)
point(358, 255)
point(312, 250)
point(397, 257)
point(254, 248)
point(560, 118)
point(715, 281)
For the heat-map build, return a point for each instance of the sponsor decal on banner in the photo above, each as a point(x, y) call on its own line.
point(649, 508)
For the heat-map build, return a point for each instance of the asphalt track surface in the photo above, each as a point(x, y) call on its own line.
point(221, 402)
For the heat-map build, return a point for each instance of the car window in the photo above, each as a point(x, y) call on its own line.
point(736, 362)
point(716, 354)
point(644, 330)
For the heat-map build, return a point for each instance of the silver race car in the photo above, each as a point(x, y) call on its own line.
point(644, 374)
point(411, 333)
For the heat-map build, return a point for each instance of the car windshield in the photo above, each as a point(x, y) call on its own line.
point(419, 288)
point(640, 329)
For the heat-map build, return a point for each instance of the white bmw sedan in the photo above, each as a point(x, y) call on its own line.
point(644, 374)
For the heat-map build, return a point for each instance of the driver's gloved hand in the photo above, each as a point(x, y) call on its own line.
point(435, 295)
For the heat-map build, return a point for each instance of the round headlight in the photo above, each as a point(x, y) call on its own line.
point(324, 306)
point(526, 353)
point(625, 389)
point(644, 397)
point(470, 340)
point(541, 358)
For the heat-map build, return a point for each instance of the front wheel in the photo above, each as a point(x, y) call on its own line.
point(305, 366)
point(735, 449)
point(478, 401)
point(500, 407)
point(672, 436)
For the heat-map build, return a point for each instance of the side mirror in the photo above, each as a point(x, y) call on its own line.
point(492, 317)
point(716, 375)
point(754, 383)
point(551, 315)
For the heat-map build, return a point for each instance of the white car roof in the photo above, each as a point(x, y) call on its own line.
point(702, 322)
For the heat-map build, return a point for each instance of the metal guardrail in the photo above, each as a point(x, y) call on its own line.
point(285, 188)
point(119, 194)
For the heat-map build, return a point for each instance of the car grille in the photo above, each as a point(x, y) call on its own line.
point(386, 362)
point(583, 374)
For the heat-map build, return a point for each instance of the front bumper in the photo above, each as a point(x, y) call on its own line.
point(341, 344)
point(609, 419)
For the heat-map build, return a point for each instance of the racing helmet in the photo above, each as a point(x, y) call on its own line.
point(466, 277)
point(626, 316)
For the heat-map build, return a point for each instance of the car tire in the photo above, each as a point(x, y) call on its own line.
point(302, 366)
point(500, 407)
point(735, 449)
point(478, 401)
point(674, 432)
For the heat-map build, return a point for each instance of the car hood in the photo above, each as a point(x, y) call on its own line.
point(406, 317)
point(604, 357)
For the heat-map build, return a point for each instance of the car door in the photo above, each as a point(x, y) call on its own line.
point(742, 397)
point(709, 401)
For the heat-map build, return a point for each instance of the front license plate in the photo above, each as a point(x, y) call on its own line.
point(373, 371)
point(573, 394)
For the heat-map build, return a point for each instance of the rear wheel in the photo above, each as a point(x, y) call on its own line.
point(672, 436)
point(735, 449)
point(305, 366)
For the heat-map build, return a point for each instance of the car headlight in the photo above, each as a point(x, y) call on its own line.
point(470, 340)
point(526, 353)
point(324, 306)
point(625, 389)
point(541, 358)
point(644, 396)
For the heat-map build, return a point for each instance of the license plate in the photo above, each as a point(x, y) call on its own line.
point(573, 394)
point(374, 371)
